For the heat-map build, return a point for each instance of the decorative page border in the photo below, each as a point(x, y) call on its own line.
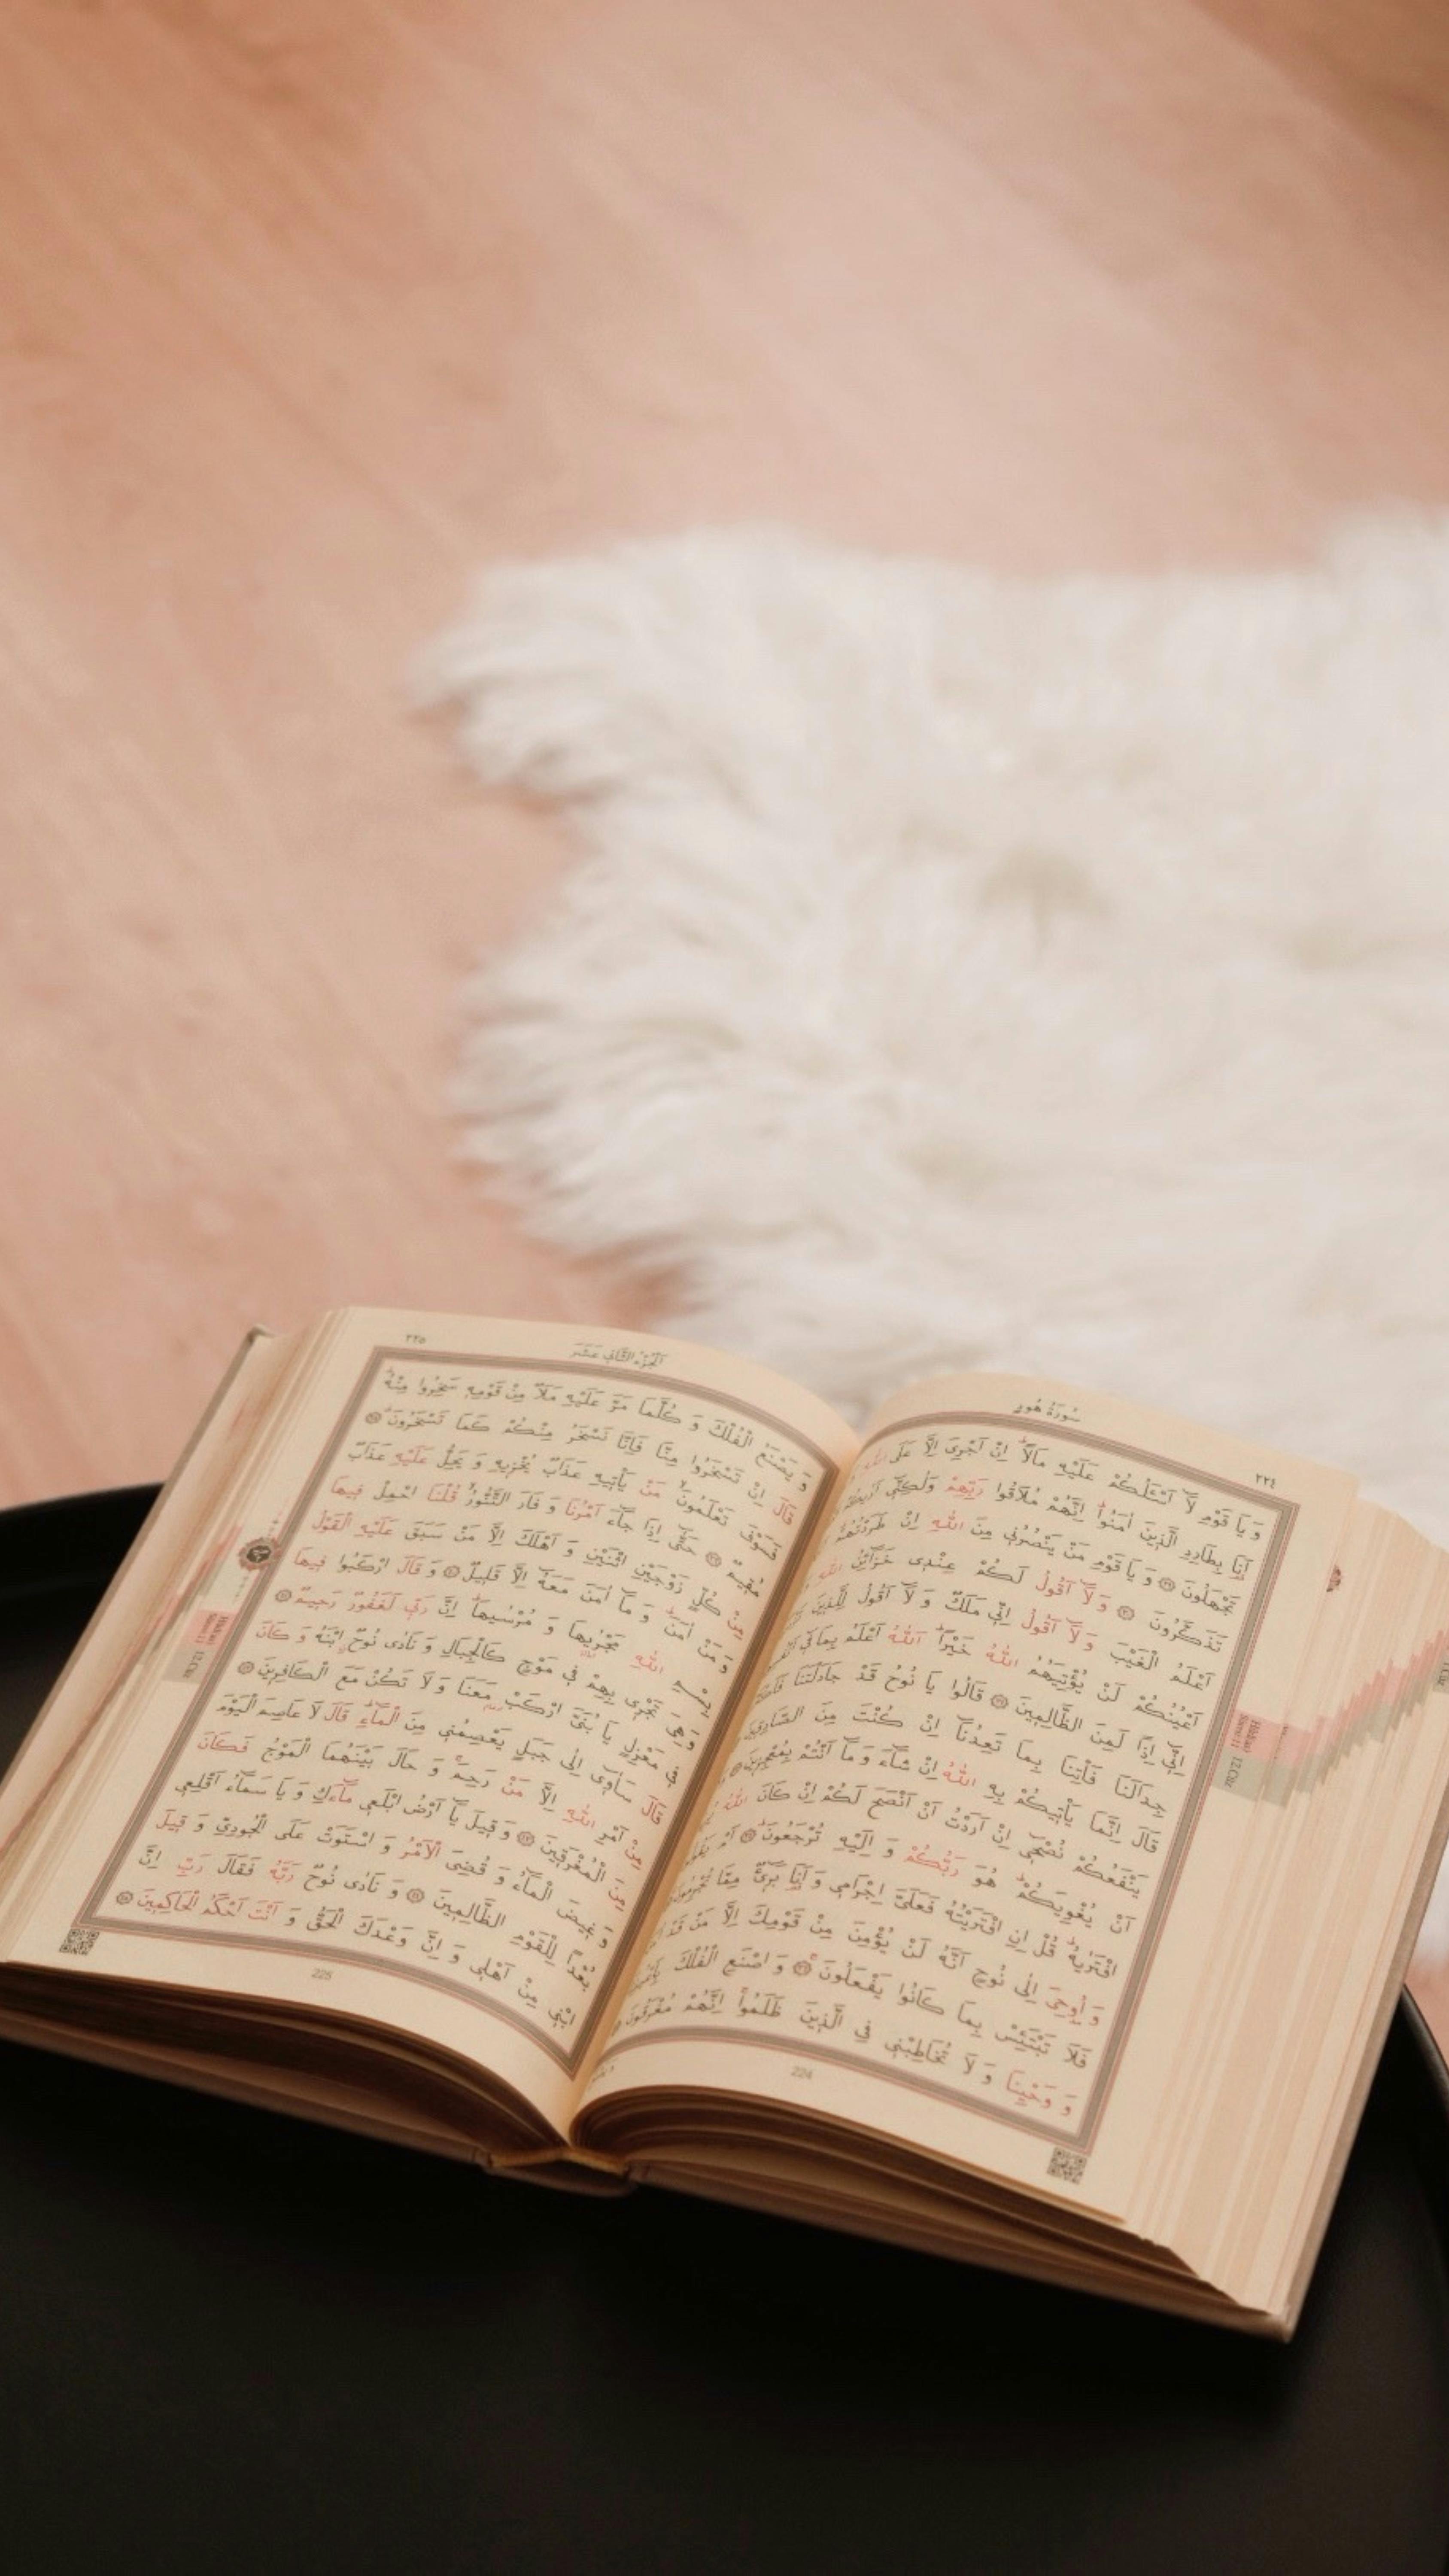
point(91, 1921)
point(1094, 2107)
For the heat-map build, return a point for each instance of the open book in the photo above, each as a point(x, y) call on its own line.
point(1003, 1833)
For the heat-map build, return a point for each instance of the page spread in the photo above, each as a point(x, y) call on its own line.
point(1001, 1832)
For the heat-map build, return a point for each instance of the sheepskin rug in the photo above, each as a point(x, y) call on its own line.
point(964, 971)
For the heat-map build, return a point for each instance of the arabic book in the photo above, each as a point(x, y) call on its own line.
point(1002, 1830)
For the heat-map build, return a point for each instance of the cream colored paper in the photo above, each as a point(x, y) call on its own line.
point(939, 1870)
point(425, 1739)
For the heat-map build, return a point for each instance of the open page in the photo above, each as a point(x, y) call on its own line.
point(423, 1734)
point(955, 1882)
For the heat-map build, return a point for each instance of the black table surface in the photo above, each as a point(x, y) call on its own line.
point(231, 2341)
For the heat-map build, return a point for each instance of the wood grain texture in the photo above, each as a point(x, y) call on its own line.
point(307, 306)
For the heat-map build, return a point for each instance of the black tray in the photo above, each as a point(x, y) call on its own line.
point(229, 2341)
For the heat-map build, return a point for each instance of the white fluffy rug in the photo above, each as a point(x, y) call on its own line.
point(967, 971)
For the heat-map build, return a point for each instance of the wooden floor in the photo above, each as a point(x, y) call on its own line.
point(307, 306)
